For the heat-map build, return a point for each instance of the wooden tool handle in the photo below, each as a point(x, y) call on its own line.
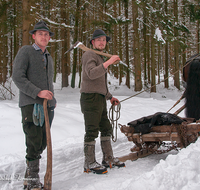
point(48, 175)
point(179, 110)
point(84, 48)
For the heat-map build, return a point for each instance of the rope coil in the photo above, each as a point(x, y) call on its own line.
point(114, 115)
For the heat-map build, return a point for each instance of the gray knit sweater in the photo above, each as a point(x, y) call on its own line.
point(94, 75)
point(31, 75)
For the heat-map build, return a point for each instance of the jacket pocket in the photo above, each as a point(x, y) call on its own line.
point(27, 113)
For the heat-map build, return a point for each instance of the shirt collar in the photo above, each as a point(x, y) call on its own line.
point(37, 48)
point(103, 57)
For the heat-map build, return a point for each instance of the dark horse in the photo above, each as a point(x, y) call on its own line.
point(191, 75)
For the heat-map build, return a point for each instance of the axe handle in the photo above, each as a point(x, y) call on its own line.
point(84, 48)
point(48, 175)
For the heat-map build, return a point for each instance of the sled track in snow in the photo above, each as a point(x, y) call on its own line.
point(68, 162)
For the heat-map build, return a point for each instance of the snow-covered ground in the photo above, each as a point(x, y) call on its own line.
point(173, 170)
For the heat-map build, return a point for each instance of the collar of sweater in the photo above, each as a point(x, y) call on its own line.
point(103, 57)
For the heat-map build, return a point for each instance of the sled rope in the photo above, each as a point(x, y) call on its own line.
point(117, 110)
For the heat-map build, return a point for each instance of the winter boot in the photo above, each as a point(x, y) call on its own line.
point(32, 180)
point(25, 177)
point(108, 159)
point(91, 165)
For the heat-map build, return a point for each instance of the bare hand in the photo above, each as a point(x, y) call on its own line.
point(45, 94)
point(114, 101)
point(113, 60)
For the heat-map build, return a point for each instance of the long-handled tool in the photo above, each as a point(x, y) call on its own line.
point(48, 175)
point(183, 96)
point(84, 48)
point(179, 110)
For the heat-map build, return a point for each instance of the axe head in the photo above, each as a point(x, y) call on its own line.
point(74, 46)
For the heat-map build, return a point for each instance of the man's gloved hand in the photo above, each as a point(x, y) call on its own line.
point(38, 115)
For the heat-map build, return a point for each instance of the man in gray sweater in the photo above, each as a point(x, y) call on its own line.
point(33, 75)
point(94, 93)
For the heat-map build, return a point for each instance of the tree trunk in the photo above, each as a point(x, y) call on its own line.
point(159, 61)
point(145, 41)
point(176, 53)
point(153, 64)
point(65, 46)
point(115, 44)
point(85, 20)
point(120, 48)
point(127, 45)
point(198, 36)
point(166, 51)
point(53, 44)
point(27, 20)
point(184, 13)
point(136, 49)
point(148, 58)
point(75, 39)
point(3, 46)
point(166, 64)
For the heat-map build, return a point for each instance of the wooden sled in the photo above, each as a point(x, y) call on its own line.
point(178, 136)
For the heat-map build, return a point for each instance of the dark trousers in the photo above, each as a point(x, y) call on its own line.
point(35, 136)
point(94, 109)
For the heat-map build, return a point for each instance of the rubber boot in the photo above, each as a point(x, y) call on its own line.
point(108, 159)
point(32, 175)
point(91, 165)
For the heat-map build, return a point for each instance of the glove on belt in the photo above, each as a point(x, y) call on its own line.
point(38, 115)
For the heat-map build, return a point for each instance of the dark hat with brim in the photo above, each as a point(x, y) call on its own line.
point(98, 33)
point(41, 25)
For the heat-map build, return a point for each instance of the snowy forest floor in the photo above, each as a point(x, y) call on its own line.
point(174, 170)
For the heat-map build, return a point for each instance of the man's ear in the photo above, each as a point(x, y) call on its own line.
point(33, 36)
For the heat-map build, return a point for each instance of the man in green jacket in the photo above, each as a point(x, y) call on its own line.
point(33, 75)
point(94, 93)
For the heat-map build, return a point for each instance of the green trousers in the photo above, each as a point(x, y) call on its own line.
point(35, 136)
point(94, 109)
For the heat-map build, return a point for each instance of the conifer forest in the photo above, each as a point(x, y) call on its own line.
point(154, 38)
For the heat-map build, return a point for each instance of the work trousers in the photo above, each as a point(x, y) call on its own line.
point(35, 136)
point(94, 109)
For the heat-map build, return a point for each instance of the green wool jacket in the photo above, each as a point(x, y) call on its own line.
point(94, 75)
point(31, 75)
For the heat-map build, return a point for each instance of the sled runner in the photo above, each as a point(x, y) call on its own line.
point(157, 139)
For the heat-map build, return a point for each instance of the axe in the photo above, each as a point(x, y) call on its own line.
point(48, 175)
point(84, 48)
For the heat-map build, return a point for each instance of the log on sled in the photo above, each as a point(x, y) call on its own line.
point(174, 135)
